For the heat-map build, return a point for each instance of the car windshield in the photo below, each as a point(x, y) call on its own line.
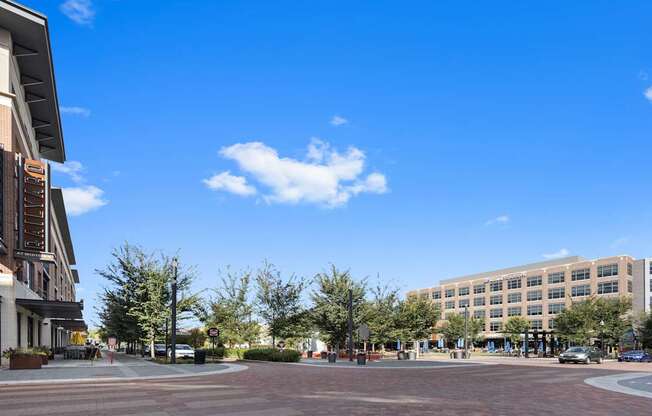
point(576, 349)
point(183, 347)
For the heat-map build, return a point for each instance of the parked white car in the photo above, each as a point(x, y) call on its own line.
point(183, 351)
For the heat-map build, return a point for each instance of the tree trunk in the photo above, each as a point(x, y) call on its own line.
point(151, 348)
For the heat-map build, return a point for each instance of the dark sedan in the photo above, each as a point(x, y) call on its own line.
point(581, 355)
point(638, 356)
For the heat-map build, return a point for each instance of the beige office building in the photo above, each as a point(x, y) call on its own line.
point(539, 291)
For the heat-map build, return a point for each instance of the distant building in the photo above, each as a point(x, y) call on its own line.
point(38, 299)
point(539, 291)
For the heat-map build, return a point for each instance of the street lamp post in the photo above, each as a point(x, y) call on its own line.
point(173, 334)
point(466, 332)
point(602, 336)
point(350, 324)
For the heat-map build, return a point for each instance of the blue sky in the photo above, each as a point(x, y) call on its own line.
point(447, 137)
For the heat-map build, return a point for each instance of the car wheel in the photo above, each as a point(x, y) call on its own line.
point(599, 360)
point(561, 361)
point(587, 361)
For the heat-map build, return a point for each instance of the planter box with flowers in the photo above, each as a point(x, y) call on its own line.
point(24, 359)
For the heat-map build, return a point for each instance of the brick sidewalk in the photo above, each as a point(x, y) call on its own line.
point(289, 390)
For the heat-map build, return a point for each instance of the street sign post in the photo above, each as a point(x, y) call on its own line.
point(112, 342)
point(213, 333)
point(363, 334)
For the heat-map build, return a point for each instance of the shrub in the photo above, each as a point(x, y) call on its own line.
point(271, 354)
point(237, 353)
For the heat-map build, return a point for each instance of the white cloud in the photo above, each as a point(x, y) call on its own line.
point(77, 111)
point(326, 177)
point(502, 219)
point(338, 120)
point(79, 11)
point(648, 93)
point(83, 199)
point(561, 253)
point(226, 182)
point(71, 168)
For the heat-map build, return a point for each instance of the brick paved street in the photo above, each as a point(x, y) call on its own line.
point(282, 390)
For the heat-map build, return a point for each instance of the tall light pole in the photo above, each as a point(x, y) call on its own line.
point(602, 336)
point(350, 325)
point(173, 334)
point(466, 332)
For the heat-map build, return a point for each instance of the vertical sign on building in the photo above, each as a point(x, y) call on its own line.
point(33, 210)
point(3, 245)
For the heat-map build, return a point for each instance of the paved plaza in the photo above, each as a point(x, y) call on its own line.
point(124, 367)
point(276, 389)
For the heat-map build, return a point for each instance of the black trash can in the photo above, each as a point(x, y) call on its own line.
point(324, 355)
point(362, 358)
point(401, 355)
point(200, 356)
point(309, 355)
point(332, 357)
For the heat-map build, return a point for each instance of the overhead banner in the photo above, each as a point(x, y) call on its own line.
point(33, 210)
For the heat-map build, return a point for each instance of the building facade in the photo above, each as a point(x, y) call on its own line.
point(38, 304)
point(539, 291)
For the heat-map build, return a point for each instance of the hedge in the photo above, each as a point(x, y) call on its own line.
point(222, 352)
point(272, 354)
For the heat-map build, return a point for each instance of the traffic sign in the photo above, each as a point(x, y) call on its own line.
point(213, 332)
point(113, 342)
point(363, 332)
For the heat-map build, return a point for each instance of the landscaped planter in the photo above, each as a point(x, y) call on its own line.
point(25, 362)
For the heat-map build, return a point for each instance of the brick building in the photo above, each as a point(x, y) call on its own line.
point(37, 284)
point(539, 291)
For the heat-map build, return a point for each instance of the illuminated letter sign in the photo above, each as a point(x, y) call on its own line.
point(33, 210)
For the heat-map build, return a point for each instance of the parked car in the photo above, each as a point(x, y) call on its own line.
point(183, 351)
point(581, 355)
point(636, 356)
point(159, 350)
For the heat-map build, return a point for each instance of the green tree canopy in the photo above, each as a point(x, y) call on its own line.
point(606, 318)
point(515, 327)
point(137, 302)
point(416, 318)
point(330, 305)
point(280, 305)
point(453, 328)
point(231, 311)
point(645, 331)
point(381, 314)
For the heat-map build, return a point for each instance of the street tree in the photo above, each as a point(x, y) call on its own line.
point(645, 331)
point(515, 327)
point(197, 337)
point(280, 305)
point(231, 311)
point(416, 319)
point(453, 328)
point(594, 318)
point(381, 312)
point(137, 303)
point(330, 305)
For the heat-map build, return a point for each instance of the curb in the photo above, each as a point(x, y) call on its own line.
point(610, 383)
